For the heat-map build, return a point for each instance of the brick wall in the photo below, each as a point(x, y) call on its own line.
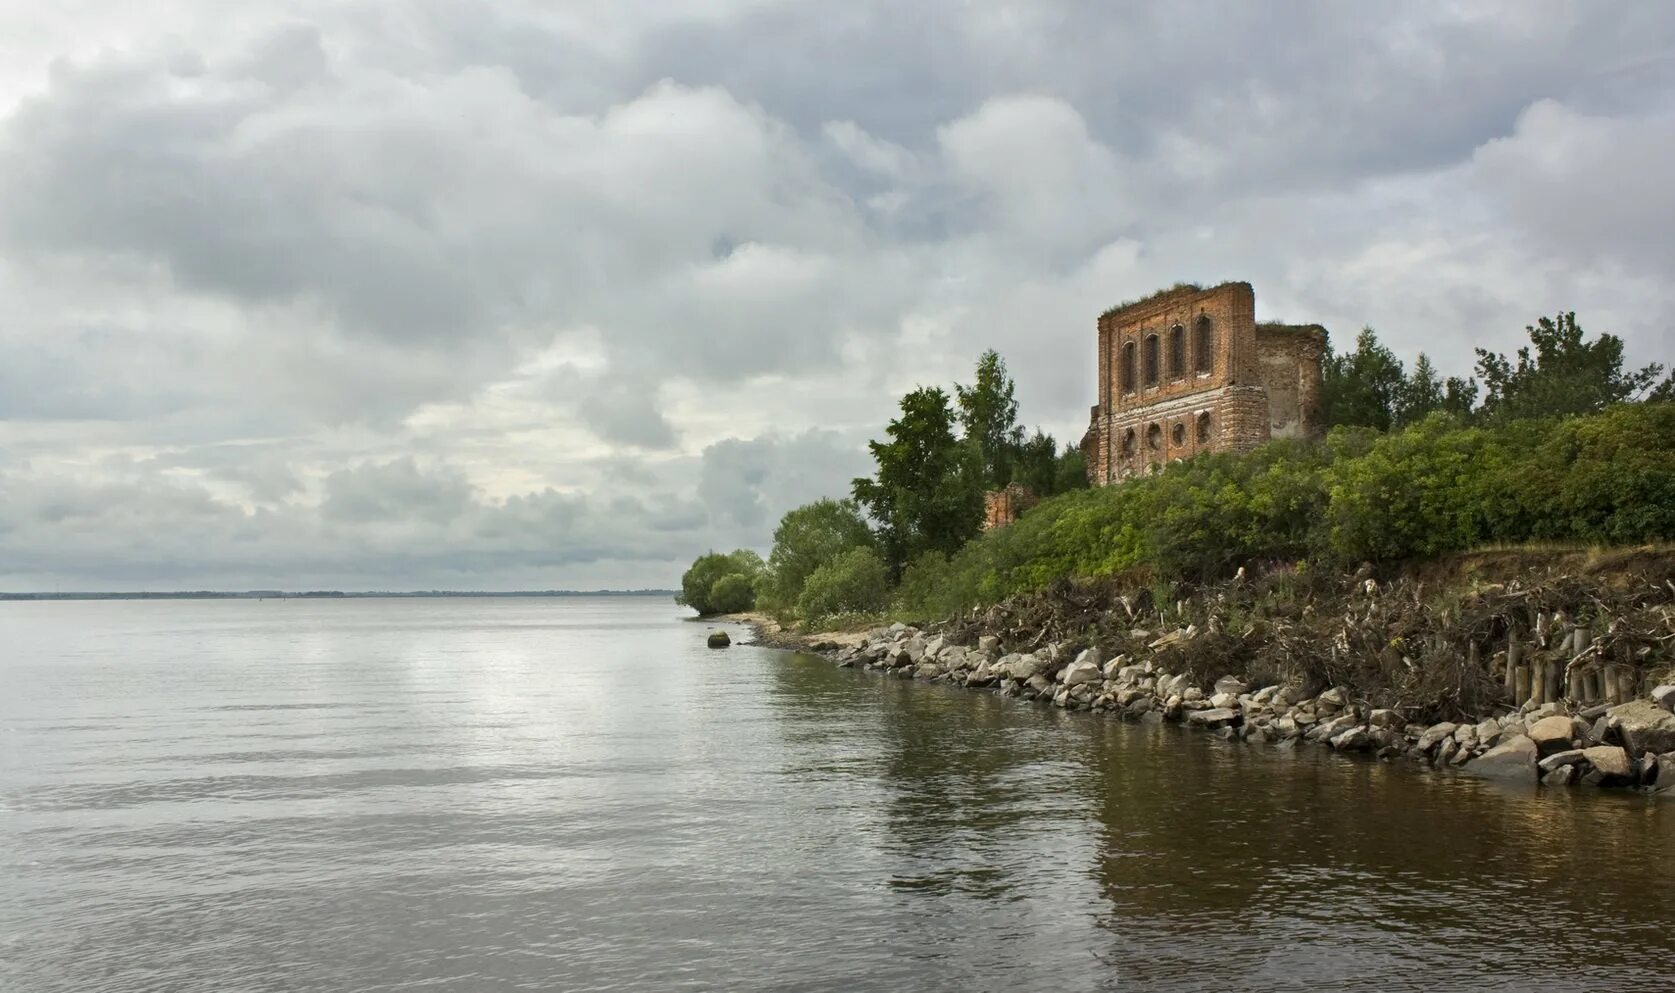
point(1257, 382)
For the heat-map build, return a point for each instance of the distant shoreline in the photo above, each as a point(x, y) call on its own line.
point(326, 595)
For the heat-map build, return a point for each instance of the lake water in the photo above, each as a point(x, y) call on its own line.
point(574, 794)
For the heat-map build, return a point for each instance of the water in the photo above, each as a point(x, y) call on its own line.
point(577, 795)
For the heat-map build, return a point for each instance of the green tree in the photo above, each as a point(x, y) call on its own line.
point(1037, 464)
point(807, 538)
point(989, 415)
point(927, 492)
point(1364, 387)
point(1560, 373)
point(702, 582)
point(731, 594)
point(853, 583)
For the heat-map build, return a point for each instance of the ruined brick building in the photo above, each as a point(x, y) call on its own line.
point(1189, 370)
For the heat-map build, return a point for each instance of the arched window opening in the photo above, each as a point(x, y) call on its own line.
point(1128, 442)
point(1178, 433)
point(1151, 360)
point(1154, 437)
point(1203, 346)
point(1177, 352)
point(1204, 427)
point(1126, 370)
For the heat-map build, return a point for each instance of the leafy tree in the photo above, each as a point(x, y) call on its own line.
point(1559, 373)
point(1072, 471)
point(1037, 464)
point(853, 583)
point(712, 585)
point(1363, 387)
point(989, 416)
point(731, 594)
point(927, 493)
point(807, 538)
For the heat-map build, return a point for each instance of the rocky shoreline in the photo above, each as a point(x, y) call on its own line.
point(1629, 745)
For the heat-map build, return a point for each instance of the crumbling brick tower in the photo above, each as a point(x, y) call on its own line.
point(1189, 370)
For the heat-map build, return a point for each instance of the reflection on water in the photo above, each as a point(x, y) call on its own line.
point(576, 794)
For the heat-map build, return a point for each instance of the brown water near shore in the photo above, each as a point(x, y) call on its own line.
point(494, 795)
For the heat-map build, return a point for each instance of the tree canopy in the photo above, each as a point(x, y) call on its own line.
point(927, 491)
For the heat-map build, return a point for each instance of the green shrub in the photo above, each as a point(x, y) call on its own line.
point(698, 586)
point(854, 583)
point(731, 594)
point(807, 538)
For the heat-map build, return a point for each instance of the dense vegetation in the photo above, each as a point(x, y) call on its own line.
point(722, 584)
point(1565, 445)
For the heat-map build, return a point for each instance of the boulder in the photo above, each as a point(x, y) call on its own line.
point(1081, 671)
point(1337, 696)
point(1551, 734)
point(1039, 684)
point(1092, 656)
point(1664, 780)
point(1220, 699)
point(989, 645)
point(1558, 760)
point(1512, 759)
point(1213, 717)
point(1643, 726)
point(1231, 685)
point(1664, 696)
point(915, 648)
point(1385, 718)
point(1435, 735)
point(1488, 733)
point(1564, 775)
point(1356, 739)
point(1612, 763)
point(1021, 667)
point(1449, 751)
point(718, 639)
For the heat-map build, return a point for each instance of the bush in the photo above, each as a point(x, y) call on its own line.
point(699, 585)
point(855, 583)
point(731, 594)
point(1435, 487)
point(807, 538)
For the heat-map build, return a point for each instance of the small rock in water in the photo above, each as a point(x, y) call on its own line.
point(1664, 696)
point(1564, 775)
point(719, 639)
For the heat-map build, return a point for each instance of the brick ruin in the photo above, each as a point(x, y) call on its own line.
point(1002, 507)
point(1189, 370)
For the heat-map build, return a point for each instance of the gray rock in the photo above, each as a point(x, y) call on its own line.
point(1564, 775)
point(1450, 748)
point(1512, 759)
point(1664, 779)
point(1192, 693)
point(1286, 727)
point(1664, 696)
point(1039, 684)
point(1213, 717)
point(1488, 733)
point(1091, 655)
point(1220, 699)
point(1385, 718)
point(1466, 734)
point(989, 645)
point(1643, 726)
point(1232, 685)
point(1612, 763)
point(1337, 696)
point(935, 647)
point(1081, 671)
point(1558, 760)
point(1551, 734)
point(718, 639)
point(1435, 735)
point(1356, 739)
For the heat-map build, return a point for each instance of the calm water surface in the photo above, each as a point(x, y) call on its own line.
point(574, 794)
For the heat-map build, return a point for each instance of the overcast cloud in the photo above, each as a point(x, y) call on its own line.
point(379, 294)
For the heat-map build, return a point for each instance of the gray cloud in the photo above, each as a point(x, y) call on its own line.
point(398, 294)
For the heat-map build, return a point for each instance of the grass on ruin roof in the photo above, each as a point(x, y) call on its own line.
point(1148, 298)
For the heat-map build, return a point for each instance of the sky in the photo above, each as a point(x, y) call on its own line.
point(366, 294)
